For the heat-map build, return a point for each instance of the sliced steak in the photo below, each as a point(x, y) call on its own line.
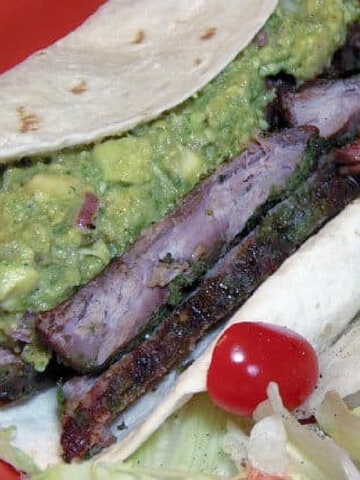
point(104, 315)
point(346, 60)
point(331, 106)
point(348, 157)
point(86, 420)
point(17, 378)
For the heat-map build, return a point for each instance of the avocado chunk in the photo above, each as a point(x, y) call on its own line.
point(126, 161)
point(15, 283)
point(45, 185)
point(183, 165)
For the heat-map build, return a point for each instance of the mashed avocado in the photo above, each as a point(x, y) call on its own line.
point(44, 254)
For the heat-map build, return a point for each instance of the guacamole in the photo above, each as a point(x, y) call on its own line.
point(44, 251)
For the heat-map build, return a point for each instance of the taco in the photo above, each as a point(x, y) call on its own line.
point(99, 198)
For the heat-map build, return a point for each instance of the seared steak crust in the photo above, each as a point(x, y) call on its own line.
point(346, 60)
point(17, 378)
point(332, 106)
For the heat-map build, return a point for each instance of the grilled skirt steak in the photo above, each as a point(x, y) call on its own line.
point(346, 60)
point(87, 417)
point(348, 158)
point(17, 378)
point(333, 106)
point(104, 315)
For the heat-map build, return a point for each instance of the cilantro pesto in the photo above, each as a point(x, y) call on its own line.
point(139, 177)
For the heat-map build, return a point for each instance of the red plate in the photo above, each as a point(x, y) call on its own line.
point(30, 25)
point(7, 472)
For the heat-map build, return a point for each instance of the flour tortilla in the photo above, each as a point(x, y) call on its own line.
point(128, 63)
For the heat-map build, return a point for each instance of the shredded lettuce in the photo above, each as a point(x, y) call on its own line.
point(339, 368)
point(91, 471)
point(338, 421)
point(200, 441)
point(187, 446)
point(298, 452)
point(190, 440)
point(14, 455)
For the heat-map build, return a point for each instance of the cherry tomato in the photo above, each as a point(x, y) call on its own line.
point(249, 355)
point(30, 25)
point(7, 472)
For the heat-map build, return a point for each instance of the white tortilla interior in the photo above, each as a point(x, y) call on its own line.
point(128, 63)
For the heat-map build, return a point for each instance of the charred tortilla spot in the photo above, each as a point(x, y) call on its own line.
point(29, 122)
point(208, 33)
point(40, 53)
point(80, 87)
point(197, 61)
point(139, 37)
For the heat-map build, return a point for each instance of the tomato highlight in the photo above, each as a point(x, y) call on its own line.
point(28, 26)
point(250, 355)
point(7, 472)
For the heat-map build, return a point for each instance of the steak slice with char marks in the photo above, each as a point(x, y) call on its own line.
point(346, 61)
point(86, 420)
point(17, 378)
point(332, 106)
point(348, 157)
point(101, 318)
